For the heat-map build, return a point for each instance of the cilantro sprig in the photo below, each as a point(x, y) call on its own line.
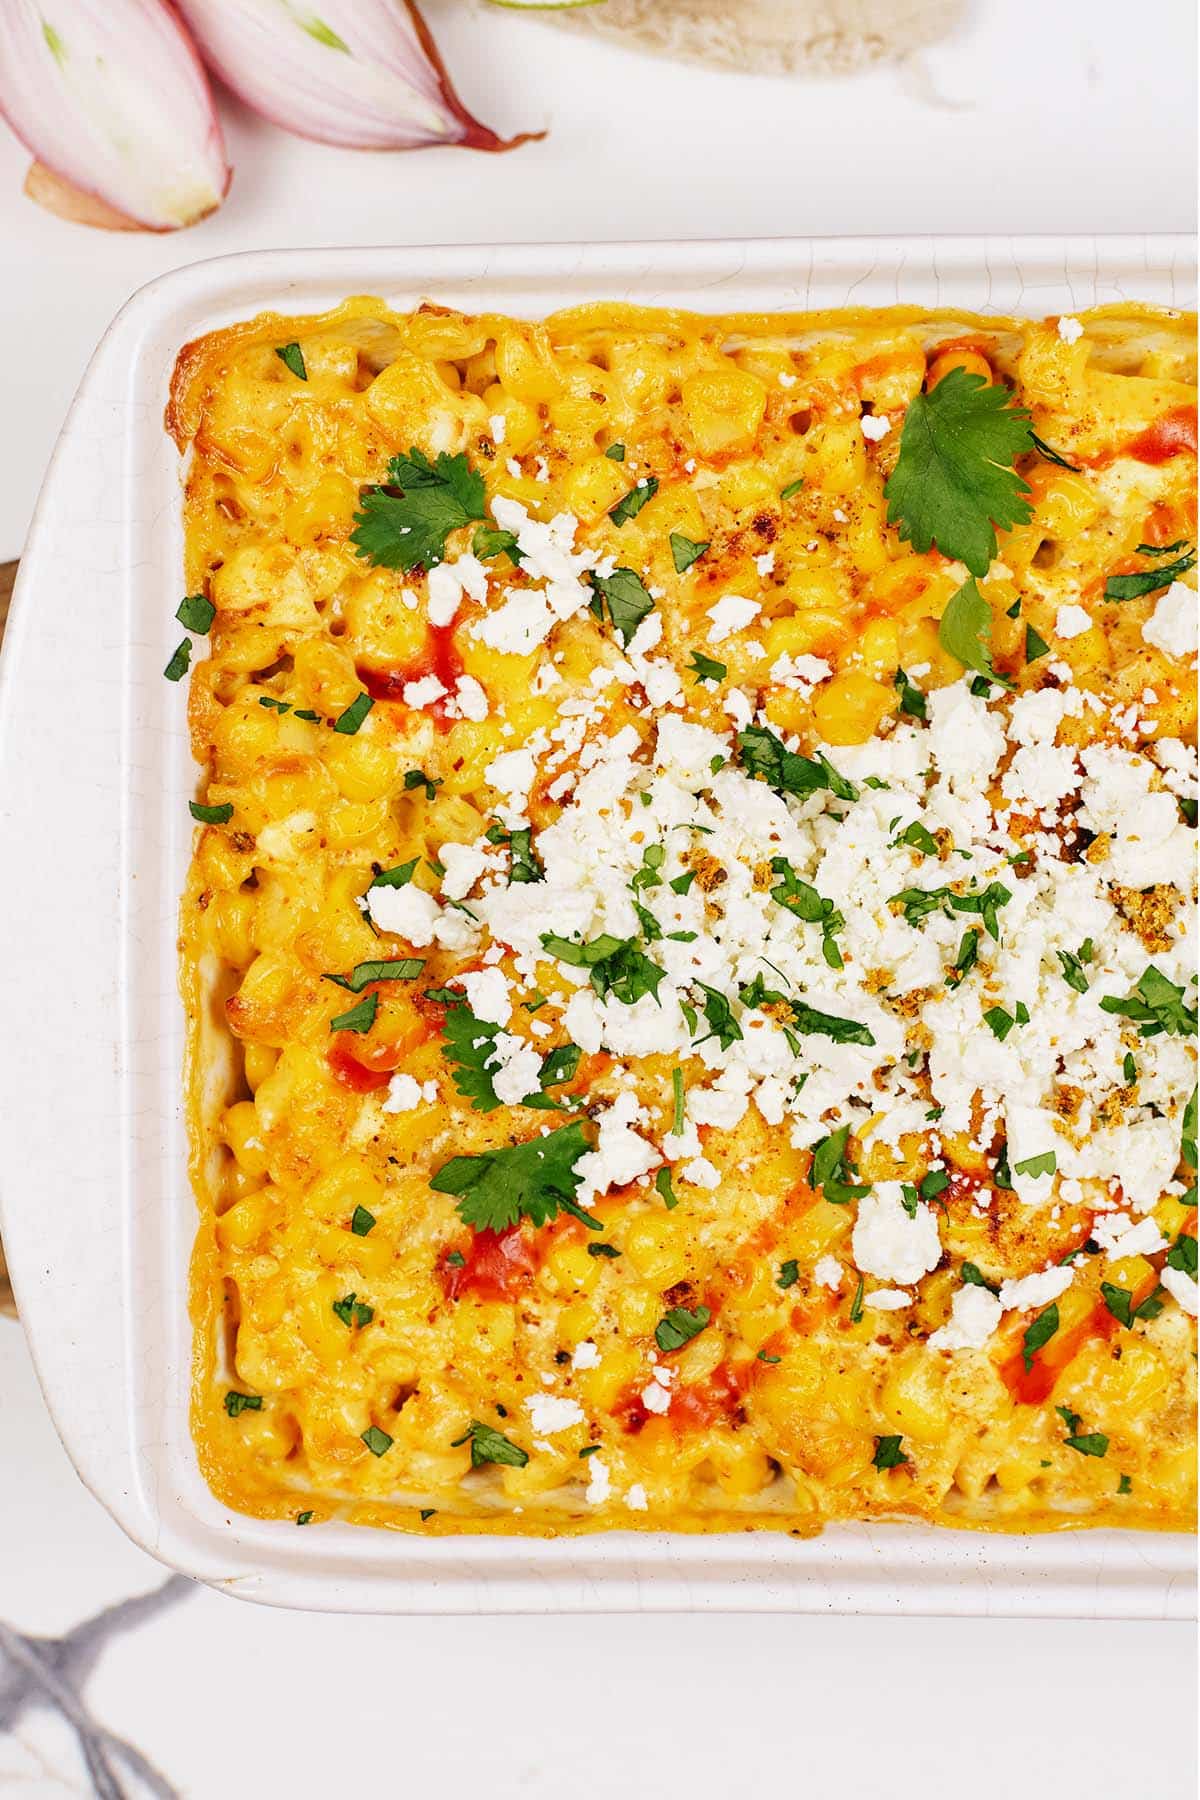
point(404, 522)
point(954, 482)
point(536, 1181)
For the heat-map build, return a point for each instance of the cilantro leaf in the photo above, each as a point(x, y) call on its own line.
point(292, 357)
point(396, 877)
point(1037, 1333)
point(616, 965)
point(680, 1326)
point(211, 815)
point(706, 668)
point(965, 630)
point(685, 551)
point(954, 480)
point(767, 757)
point(719, 1015)
point(362, 1221)
point(405, 968)
point(349, 721)
point(1093, 1443)
point(489, 541)
point(1157, 1004)
point(888, 1454)
point(470, 1044)
point(404, 523)
point(623, 594)
point(831, 1172)
point(789, 1273)
point(236, 1403)
point(490, 1446)
point(196, 612)
point(353, 1312)
point(181, 656)
point(631, 504)
point(360, 1018)
point(534, 1180)
point(811, 1023)
point(378, 1442)
point(1035, 645)
point(525, 865)
point(1182, 1254)
point(1148, 581)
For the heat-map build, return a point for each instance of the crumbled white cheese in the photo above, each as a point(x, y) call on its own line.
point(827, 1271)
point(1036, 1290)
point(1181, 1287)
point(550, 1413)
point(403, 1094)
point(1072, 621)
point(888, 1242)
point(1172, 625)
point(408, 911)
point(635, 1498)
point(423, 692)
point(515, 1066)
point(731, 613)
point(487, 994)
point(875, 426)
point(599, 1487)
point(974, 1316)
point(585, 1355)
point(1070, 330)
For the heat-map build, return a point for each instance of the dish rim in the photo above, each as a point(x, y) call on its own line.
point(102, 1289)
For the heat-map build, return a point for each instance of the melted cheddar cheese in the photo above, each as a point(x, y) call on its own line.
point(716, 1120)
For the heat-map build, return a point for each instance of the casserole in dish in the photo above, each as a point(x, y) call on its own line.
point(770, 279)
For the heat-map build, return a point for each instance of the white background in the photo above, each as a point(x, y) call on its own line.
point(1039, 115)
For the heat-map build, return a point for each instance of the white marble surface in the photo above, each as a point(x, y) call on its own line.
point(1039, 115)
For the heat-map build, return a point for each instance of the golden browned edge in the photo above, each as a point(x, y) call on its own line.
point(207, 1044)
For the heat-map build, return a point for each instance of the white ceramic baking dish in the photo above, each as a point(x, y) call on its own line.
point(94, 833)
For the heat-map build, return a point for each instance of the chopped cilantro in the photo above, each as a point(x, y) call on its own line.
point(415, 778)
point(488, 541)
point(888, 1454)
point(360, 1018)
point(524, 865)
point(631, 504)
point(181, 657)
point(623, 595)
point(831, 1172)
point(292, 357)
point(377, 1442)
point(490, 1446)
point(1038, 1333)
point(196, 613)
point(1033, 1166)
point(615, 453)
point(1035, 645)
point(706, 668)
point(1157, 1005)
point(680, 1326)
point(616, 966)
point(405, 968)
point(349, 721)
point(236, 1403)
point(1051, 456)
point(789, 1273)
point(685, 551)
point(352, 1311)
point(662, 1185)
point(792, 489)
point(211, 815)
point(362, 1221)
point(767, 758)
point(1149, 581)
